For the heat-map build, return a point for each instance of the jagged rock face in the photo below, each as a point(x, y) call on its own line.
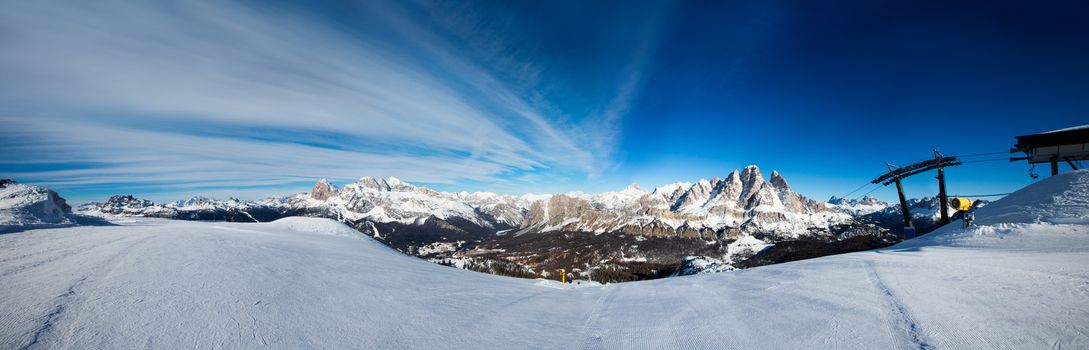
point(732, 189)
point(562, 210)
point(751, 181)
point(859, 207)
point(744, 200)
point(504, 210)
point(323, 190)
point(196, 208)
point(391, 200)
point(387, 184)
point(127, 204)
point(779, 182)
point(26, 205)
point(695, 195)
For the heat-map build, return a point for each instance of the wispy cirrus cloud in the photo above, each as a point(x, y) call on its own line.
point(173, 94)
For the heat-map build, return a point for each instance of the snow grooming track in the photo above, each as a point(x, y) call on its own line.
point(63, 301)
point(59, 252)
point(69, 299)
point(899, 319)
point(590, 333)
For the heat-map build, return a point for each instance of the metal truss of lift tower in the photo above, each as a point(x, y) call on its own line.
point(896, 174)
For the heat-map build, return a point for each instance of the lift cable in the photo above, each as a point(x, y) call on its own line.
point(981, 154)
point(857, 189)
point(983, 195)
point(985, 160)
point(871, 191)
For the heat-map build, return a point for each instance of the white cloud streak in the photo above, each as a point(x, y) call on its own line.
point(123, 82)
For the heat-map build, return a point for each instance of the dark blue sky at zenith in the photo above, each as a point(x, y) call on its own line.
point(253, 99)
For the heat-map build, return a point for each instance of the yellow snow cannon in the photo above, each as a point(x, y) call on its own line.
point(962, 204)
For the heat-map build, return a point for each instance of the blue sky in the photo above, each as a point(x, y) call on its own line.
point(251, 99)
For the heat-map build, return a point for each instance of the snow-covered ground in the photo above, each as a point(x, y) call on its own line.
point(1018, 280)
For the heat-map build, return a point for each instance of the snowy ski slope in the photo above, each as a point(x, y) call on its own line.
point(1018, 280)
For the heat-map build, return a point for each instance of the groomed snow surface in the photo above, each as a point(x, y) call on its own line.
point(1018, 280)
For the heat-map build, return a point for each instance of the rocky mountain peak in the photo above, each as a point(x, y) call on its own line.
point(779, 182)
point(388, 184)
point(323, 190)
point(127, 200)
point(751, 175)
point(869, 200)
point(762, 196)
point(733, 177)
point(394, 182)
point(751, 182)
point(633, 187)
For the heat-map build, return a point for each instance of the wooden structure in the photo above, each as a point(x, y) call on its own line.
point(1065, 145)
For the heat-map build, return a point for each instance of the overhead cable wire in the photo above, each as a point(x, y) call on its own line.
point(871, 191)
point(856, 190)
point(982, 195)
point(980, 154)
point(984, 160)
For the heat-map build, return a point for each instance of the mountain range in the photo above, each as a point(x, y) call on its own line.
point(627, 234)
point(740, 220)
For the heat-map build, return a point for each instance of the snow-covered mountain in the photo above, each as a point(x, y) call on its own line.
point(391, 200)
point(858, 207)
point(23, 206)
point(196, 208)
point(742, 203)
point(129, 206)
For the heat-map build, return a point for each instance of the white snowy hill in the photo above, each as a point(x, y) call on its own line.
point(25, 206)
point(1020, 279)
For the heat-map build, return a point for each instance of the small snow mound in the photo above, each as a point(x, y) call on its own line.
point(315, 225)
point(26, 206)
point(1060, 199)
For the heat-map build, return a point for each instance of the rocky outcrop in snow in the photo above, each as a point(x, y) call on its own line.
point(196, 208)
point(23, 206)
point(128, 206)
point(322, 190)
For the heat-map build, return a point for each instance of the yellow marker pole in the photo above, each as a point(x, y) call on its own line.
point(563, 276)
